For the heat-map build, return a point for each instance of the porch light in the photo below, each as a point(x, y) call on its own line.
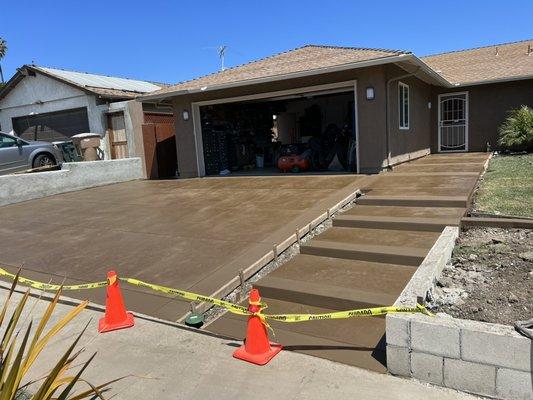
point(185, 115)
point(370, 93)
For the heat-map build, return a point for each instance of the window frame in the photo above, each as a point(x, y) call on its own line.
point(403, 124)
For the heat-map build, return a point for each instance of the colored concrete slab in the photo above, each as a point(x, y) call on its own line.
point(384, 237)
point(190, 234)
point(355, 341)
point(336, 283)
point(365, 260)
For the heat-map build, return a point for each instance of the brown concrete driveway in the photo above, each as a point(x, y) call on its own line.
point(190, 234)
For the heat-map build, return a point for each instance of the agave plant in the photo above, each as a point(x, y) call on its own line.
point(19, 349)
point(516, 133)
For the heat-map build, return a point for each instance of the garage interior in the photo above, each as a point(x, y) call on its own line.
point(298, 133)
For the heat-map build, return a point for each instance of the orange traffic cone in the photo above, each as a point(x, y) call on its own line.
point(257, 349)
point(116, 316)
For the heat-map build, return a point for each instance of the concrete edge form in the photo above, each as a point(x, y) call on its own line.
point(476, 357)
point(71, 177)
point(472, 222)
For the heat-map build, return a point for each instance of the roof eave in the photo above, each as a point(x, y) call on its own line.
point(491, 81)
point(274, 78)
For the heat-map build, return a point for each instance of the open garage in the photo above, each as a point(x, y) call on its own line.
point(313, 131)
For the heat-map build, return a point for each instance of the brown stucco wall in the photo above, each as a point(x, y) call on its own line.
point(185, 141)
point(488, 107)
point(371, 116)
point(413, 142)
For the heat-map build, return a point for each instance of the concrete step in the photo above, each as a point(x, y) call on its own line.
point(411, 212)
point(409, 167)
point(321, 294)
point(395, 223)
point(355, 341)
point(347, 274)
point(414, 201)
point(385, 254)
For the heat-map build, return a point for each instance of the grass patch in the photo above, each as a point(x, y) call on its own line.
point(507, 187)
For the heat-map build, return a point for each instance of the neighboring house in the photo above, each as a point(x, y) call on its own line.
point(394, 105)
point(50, 104)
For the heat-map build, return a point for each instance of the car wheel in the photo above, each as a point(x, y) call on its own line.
point(43, 160)
point(295, 169)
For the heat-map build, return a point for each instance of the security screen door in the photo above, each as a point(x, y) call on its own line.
point(453, 122)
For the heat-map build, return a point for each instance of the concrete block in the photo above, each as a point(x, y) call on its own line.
point(506, 348)
point(470, 377)
point(512, 384)
point(397, 330)
point(429, 336)
point(427, 367)
point(398, 360)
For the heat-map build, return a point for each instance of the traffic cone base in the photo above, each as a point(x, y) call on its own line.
point(106, 327)
point(258, 359)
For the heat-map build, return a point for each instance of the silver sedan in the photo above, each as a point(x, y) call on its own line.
point(17, 154)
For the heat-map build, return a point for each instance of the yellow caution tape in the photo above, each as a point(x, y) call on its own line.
point(237, 309)
point(362, 312)
point(52, 287)
point(234, 308)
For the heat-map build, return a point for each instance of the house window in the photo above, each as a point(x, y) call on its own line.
point(403, 101)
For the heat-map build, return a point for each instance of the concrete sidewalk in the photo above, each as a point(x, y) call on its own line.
point(169, 362)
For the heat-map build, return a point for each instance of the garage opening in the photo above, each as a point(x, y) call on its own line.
point(312, 132)
point(53, 126)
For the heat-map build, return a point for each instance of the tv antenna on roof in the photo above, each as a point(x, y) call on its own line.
point(221, 50)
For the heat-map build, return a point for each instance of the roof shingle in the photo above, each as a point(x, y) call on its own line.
point(306, 58)
point(485, 64)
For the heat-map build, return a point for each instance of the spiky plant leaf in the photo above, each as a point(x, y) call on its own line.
point(516, 133)
point(10, 386)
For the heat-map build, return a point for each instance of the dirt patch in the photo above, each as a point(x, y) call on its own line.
point(490, 277)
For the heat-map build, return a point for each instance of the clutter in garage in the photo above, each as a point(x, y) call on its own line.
point(303, 133)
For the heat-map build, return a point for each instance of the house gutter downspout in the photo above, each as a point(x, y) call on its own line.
point(387, 124)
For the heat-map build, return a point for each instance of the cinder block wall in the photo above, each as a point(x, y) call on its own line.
point(477, 357)
point(486, 359)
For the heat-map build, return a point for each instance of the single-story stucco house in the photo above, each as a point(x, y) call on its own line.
point(372, 108)
point(40, 103)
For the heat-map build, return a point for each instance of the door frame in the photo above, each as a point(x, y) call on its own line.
point(339, 87)
point(467, 121)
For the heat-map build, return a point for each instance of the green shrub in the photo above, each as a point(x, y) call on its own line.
point(516, 133)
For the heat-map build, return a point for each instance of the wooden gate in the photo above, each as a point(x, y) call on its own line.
point(160, 150)
point(117, 135)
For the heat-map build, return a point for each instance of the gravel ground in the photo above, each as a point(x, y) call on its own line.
point(242, 292)
point(490, 277)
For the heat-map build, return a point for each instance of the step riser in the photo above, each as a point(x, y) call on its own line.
point(401, 226)
point(363, 255)
point(311, 299)
point(412, 203)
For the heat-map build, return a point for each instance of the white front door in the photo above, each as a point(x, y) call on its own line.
point(453, 122)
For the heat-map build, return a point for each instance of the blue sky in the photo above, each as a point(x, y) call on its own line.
point(171, 41)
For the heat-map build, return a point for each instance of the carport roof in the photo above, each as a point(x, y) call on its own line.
point(310, 59)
